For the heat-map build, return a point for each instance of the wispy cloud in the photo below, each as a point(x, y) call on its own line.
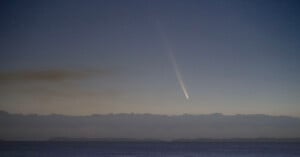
point(46, 91)
point(52, 75)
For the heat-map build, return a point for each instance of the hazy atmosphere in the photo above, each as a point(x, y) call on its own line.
point(159, 57)
point(146, 127)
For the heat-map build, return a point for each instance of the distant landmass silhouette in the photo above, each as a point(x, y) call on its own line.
point(126, 127)
point(78, 139)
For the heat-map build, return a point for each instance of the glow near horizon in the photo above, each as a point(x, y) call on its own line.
point(235, 60)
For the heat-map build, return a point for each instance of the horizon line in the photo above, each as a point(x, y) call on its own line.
point(145, 113)
point(124, 139)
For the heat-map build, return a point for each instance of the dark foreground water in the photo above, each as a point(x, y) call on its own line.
point(149, 149)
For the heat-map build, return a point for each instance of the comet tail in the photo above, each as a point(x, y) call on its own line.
point(173, 60)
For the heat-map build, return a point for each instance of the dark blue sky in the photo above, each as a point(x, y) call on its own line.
point(234, 56)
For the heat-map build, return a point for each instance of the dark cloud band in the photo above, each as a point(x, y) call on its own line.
point(48, 75)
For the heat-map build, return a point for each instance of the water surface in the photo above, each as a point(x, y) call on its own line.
point(149, 149)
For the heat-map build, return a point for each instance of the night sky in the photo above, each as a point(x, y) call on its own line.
point(85, 57)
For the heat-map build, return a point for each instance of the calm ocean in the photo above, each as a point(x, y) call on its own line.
point(149, 149)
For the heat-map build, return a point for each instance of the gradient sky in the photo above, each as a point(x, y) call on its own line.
point(84, 57)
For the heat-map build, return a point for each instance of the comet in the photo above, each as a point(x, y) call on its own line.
point(172, 58)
